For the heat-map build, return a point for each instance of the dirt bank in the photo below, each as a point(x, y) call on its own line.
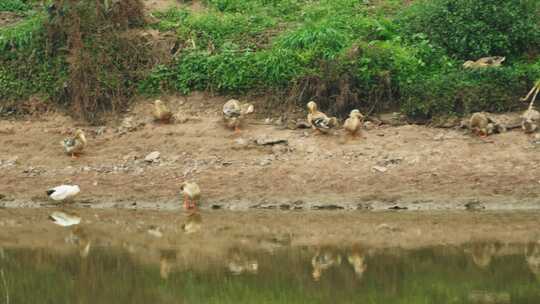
point(413, 167)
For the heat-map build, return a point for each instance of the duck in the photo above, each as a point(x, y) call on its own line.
point(481, 125)
point(161, 112)
point(485, 62)
point(76, 144)
point(318, 120)
point(192, 194)
point(234, 113)
point(63, 192)
point(353, 124)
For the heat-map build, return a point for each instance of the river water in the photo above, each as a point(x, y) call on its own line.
point(473, 273)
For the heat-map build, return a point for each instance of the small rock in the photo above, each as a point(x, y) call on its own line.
point(268, 141)
point(280, 149)
point(264, 162)
point(12, 161)
point(379, 169)
point(368, 125)
point(241, 143)
point(152, 157)
point(474, 206)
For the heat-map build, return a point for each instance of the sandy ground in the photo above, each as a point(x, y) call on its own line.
point(410, 166)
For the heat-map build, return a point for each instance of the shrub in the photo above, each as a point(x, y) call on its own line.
point(466, 91)
point(13, 6)
point(472, 29)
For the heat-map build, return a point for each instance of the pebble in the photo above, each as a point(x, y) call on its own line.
point(152, 157)
point(379, 169)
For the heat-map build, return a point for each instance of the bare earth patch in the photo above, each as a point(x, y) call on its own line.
point(412, 167)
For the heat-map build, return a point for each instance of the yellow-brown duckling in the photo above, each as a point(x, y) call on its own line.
point(161, 112)
point(353, 124)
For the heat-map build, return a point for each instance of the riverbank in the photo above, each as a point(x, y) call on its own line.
point(267, 166)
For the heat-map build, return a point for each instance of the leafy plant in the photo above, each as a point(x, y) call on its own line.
point(14, 6)
point(473, 29)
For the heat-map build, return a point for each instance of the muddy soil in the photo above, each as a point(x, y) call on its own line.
point(391, 167)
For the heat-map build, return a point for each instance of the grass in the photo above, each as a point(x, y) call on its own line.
point(345, 54)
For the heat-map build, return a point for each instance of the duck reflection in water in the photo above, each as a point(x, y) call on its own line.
point(323, 260)
point(79, 237)
point(532, 256)
point(193, 223)
point(167, 258)
point(482, 253)
point(239, 263)
point(357, 259)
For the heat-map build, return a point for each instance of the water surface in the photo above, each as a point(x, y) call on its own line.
point(474, 273)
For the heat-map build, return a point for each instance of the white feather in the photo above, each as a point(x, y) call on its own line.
point(63, 192)
point(64, 219)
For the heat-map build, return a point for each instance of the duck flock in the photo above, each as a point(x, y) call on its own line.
point(234, 113)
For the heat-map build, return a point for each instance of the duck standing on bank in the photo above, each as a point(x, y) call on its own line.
point(63, 192)
point(192, 194)
point(75, 145)
point(161, 112)
point(353, 124)
point(234, 113)
point(319, 121)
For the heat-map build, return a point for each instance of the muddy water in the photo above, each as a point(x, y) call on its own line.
point(120, 256)
point(473, 273)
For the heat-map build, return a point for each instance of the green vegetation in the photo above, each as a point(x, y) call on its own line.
point(14, 6)
point(343, 53)
point(348, 54)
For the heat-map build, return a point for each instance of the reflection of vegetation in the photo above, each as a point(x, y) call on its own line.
point(439, 275)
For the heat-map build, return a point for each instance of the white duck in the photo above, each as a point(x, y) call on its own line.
point(63, 192)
